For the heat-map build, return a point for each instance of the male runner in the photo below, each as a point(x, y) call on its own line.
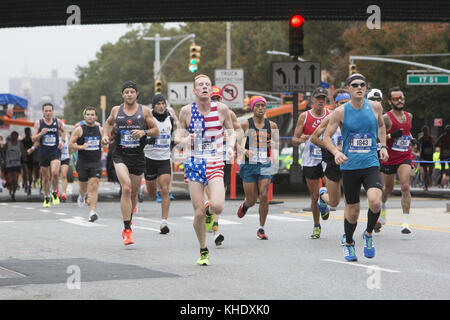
point(132, 123)
point(202, 126)
point(307, 123)
point(257, 171)
point(157, 157)
point(331, 194)
point(86, 139)
point(398, 128)
point(49, 131)
point(361, 123)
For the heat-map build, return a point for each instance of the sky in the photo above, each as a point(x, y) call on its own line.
point(43, 49)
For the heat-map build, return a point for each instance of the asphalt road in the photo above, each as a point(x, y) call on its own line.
point(55, 253)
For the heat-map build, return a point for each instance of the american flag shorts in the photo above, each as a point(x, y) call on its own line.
point(200, 170)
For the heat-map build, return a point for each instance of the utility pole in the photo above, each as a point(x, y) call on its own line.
point(157, 39)
point(228, 45)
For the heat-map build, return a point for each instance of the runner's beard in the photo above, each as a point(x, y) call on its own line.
point(397, 108)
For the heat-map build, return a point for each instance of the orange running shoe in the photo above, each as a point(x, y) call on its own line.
point(63, 197)
point(127, 236)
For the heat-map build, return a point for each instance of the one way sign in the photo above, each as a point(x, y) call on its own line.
point(295, 76)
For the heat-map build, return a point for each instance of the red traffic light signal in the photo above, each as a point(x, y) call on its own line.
point(297, 21)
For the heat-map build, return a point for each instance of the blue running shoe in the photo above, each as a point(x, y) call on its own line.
point(171, 196)
point(158, 197)
point(349, 252)
point(322, 206)
point(369, 249)
point(343, 240)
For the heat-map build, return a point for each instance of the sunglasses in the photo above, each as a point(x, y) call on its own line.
point(356, 85)
point(395, 99)
point(375, 99)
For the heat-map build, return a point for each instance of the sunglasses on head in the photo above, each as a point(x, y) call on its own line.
point(400, 98)
point(356, 85)
point(375, 99)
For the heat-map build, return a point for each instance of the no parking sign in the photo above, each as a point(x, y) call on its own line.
point(232, 84)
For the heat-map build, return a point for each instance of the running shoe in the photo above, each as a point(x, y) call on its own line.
point(158, 197)
point(209, 218)
point(135, 210)
point(323, 207)
point(241, 213)
point(63, 197)
point(316, 233)
point(349, 252)
point(219, 239)
point(382, 218)
point(46, 202)
point(215, 227)
point(55, 198)
point(343, 240)
point(171, 196)
point(80, 201)
point(406, 229)
point(164, 228)
point(261, 235)
point(378, 226)
point(93, 216)
point(127, 236)
point(369, 249)
point(204, 258)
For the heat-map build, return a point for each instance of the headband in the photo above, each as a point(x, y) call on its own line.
point(342, 96)
point(256, 99)
point(355, 77)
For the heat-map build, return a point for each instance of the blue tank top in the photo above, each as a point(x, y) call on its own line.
point(359, 135)
point(49, 142)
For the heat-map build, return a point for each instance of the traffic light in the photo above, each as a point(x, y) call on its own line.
point(158, 86)
point(194, 57)
point(352, 69)
point(296, 35)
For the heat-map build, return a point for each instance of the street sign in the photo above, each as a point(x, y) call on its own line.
point(181, 92)
point(103, 103)
point(231, 81)
point(295, 76)
point(428, 79)
point(438, 122)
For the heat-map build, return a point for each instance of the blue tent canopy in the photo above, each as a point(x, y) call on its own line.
point(8, 98)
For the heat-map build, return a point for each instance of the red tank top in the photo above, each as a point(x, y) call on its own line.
point(399, 148)
point(312, 122)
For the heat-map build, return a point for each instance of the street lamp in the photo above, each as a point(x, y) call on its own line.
point(281, 53)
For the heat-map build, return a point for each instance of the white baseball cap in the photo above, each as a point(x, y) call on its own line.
point(375, 93)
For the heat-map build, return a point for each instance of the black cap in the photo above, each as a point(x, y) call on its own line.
point(129, 84)
point(157, 98)
point(320, 91)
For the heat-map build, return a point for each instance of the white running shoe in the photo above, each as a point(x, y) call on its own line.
point(81, 201)
point(93, 216)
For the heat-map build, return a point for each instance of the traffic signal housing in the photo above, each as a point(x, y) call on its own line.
point(194, 57)
point(158, 86)
point(296, 36)
point(352, 69)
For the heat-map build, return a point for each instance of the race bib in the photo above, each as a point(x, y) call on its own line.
point(258, 155)
point(162, 141)
point(315, 151)
point(204, 146)
point(93, 143)
point(49, 140)
point(127, 140)
point(338, 141)
point(360, 143)
point(401, 144)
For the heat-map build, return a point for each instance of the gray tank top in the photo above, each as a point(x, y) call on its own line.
point(125, 142)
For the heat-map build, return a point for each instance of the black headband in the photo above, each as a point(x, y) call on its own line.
point(129, 84)
point(355, 77)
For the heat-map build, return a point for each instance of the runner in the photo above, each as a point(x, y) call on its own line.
point(201, 129)
point(157, 157)
point(132, 123)
point(261, 137)
point(398, 128)
point(85, 140)
point(330, 195)
point(307, 123)
point(65, 162)
point(48, 132)
point(426, 154)
point(14, 153)
point(27, 165)
point(361, 122)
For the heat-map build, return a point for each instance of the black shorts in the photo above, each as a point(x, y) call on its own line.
point(333, 171)
point(227, 174)
point(134, 163)
point(85, 173)
point(353, 179)
point(13, 169)
point(313, 173)
point(66, 162)
point(44, 161)
point(392, 169)
point(155, 168)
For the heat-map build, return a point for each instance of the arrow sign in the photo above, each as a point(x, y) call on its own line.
point(185, 91)
point(296, 69)
point(312, 69)
point(176, 90)
point(176, 93)
point(281, 73)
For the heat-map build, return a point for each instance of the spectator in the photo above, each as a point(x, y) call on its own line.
point(426, 154)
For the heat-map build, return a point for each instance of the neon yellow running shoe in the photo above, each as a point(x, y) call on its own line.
point(316, 233)
point(382, 218)
point(204, 258)
point(46, 203)
point(55, 198)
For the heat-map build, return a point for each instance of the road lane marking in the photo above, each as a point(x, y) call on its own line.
point(150, 220)
point(278, 218)
point(221, 221)
point(80, 221)
point(361, 265)
point(146, 228)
